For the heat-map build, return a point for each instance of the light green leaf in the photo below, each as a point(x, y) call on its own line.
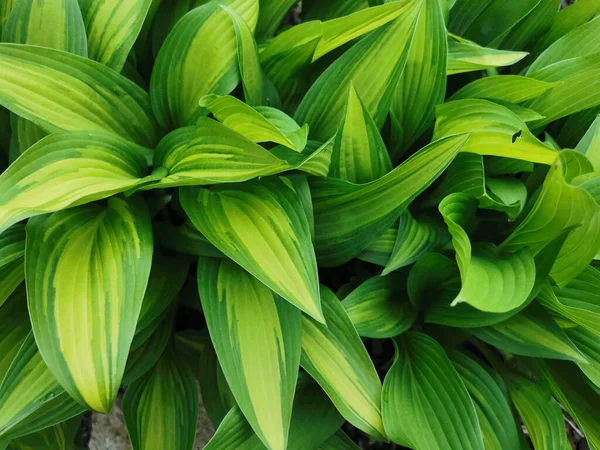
point(423, 387)
point(29, 387)
point(264, 333)
point(562, 204)
point(507, 88)
point(590, 144)
point(47, 23)
point(262, 226)
point(5, 9)
point(350, 217)
point(68, 169)
point(199, 57)
point(467, 56)
point(270, 16)
point(337, 359)
point(532, 332)
point(161, 409)
point(359, 153)
point(12, 251)
point(61, 91)
point(86, 270)
point(259, 124)
point(234, 432)
point(509, 278)
point(588, 344)
point(495, 131)
point(378, 308)
point(112, 28)
point(495, 417)
point(374, 65)
point(13, 312)
point(423, 82)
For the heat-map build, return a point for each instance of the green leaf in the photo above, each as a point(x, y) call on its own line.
point(12, 251)
point(590, 144)
point(379, 252)
point(562, 204)
point(5, 9)
point(467, 56)
point(350, 217)
point(432, 276)
point(234, 432)
point(270, 16)
point(339, 441)
point(29, 387)
point(532, 332)
point(337, 359)
point(58, 437)
point(263, 227)
point(588, 344)
point(374, 65)
point(258, 124)
point(185, 239)
point(423, 387)
point(13, 312)
point(264, 333)
point(61, 91)
point(495, 417)
point(378, 308)
point(112, 28)
point(25, 134)
point(495, 131)
point(199, 57)
point(86, 270)
point(47, 23)
point(509, 278)
point(161, 409)
point(423, 82)
point(68, 169)
point(540, 413)
point(359, 154)
point(507, 88)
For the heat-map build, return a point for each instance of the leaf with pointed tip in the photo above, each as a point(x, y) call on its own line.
point(337, 359)
point(466, 56)
point(259, 123)
point(112, 28)
point(161, 408)
point(423, 387)
point(86, 270)
point(433, 276)
point(350, 217)
point(58, 437)
point(61, 91)
point(509, 278)
point(562, 204)
point(199, 57)
point(12, 251)
point(264, 332)
point(13, 312)
point(507, 88)
point(270, 16)
point(359, 153)
point(185, 239)
point(590, 144)
point(263, 227)
point(588, 344)
point(379, 252)
point(234, 432)
point(378, 308)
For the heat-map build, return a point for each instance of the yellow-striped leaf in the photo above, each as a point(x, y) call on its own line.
point(5, 9)
point(508, 88)
point(359, 153)
point(378, 308)
point(263, 227)
point(112, 28)
point(350, 217)
point(68, 169)
point(259, 123)
point(337, 359)
point(12, 252)
point(61, 91)
point(199, 57)
point(467, 56)
point(257, 336)
point(58, 437)
point(86, 270)
point(423, 388)
point(161, 408)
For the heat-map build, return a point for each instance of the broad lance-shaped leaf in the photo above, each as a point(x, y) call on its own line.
point(58, 437)
point(24, 134)
point(61, 91)
point(532, 332)
point(112, 28)
point(498, 427)
point(467, 56)
point(590, 144)
point(423, 387)
point(29, 388)
point(68, 169)
point(161, 408)
point(185, 239)
point(359, 153)
point(199, 57)
point(379, 252)
point(507, 88)
point(264, 332)
point(562, 204)
point(349, 217)
point(337, 359)
point(272, 13)
point(423, 82)
point(258, 123)
point(588, 344)
point(373, 65)
point(509, 278)
point(86, 270)
point(378, 308)
point(14, 312)
point(495, 130)
point(263, 227)
point(12, 251)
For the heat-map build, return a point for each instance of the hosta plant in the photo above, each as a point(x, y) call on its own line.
point(371, 223)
